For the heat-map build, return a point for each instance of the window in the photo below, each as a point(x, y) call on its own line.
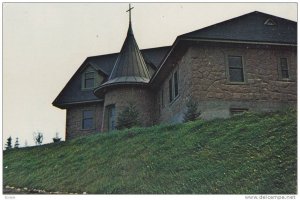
point(162, 97)
point(173, 86)
point(176, 84)
point(237, 111)
point(236, 71)
point(284, 70)
point(171, 89)
point(89, 80)
point(111, 114)
point(88, 119)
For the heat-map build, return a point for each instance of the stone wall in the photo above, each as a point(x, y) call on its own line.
point(74, 120)
point(203, 75)
point(172, 112)
point(122, 96)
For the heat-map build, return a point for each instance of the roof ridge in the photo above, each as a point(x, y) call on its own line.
point(142, 50)
point(234, 18)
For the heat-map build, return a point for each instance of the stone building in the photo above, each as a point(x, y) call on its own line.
point(245, 63)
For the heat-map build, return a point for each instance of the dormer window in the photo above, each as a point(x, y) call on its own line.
point(89, 80)
point(270, 22)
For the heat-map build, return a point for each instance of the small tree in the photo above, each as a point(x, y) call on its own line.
point(17, 143)
point(191, 113)
point(8, 144)
point(128, 117)
point(38, 138)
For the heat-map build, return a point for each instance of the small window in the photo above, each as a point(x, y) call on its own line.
point(162, 98)
point(89, 80)
point(238, 111)
point(284, 70)
point(88, 119)
point(176, 84)
point(173, 86)
point(171, 89)
point(111, 111)
point(236, 71)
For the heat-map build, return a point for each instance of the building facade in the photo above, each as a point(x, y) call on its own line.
point(248, 63)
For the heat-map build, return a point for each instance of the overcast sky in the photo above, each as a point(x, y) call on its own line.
point(45, 43)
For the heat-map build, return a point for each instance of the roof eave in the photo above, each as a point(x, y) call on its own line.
point(183, 38)
point(66, 105)
point(97, 91)
point(279, 43)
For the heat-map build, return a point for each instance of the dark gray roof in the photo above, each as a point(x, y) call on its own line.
point(72, 92)
point(130, 65)
point(152, 57)
point(250, 27)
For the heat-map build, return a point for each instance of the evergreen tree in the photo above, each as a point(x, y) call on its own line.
point(17, 143)
point(8, 144)
point(128, 117)
point(191, 113)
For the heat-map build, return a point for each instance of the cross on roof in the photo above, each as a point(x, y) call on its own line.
point(129, 10)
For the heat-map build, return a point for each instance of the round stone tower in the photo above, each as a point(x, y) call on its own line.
point(127, 84)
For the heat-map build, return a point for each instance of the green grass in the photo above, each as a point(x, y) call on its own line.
point(248, 154)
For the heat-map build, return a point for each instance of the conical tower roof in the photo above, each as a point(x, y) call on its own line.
point(130, 66)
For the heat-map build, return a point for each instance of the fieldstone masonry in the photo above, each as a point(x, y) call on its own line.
point(200, 58)
point(172, 112)
point(203, 75)
point(74, 120)
point(141, 97)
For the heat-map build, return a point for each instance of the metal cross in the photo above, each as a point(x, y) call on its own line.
point(129, 10)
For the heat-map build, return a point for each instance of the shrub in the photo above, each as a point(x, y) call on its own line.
point(191, 113)
point(128, 117)
point(38, 138)
point(56, 138)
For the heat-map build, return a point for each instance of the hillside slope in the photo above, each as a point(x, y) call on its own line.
point(247, 154)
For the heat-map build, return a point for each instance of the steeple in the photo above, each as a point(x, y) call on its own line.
point(130, 66)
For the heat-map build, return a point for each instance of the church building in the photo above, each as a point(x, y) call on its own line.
point(248, 63)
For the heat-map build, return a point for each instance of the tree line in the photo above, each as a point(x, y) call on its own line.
point(37, 137)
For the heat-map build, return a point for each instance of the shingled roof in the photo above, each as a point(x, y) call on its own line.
point(252, 27)
point(255, 27)
point(72, 93)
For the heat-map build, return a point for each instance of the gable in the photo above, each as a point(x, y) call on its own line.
point(74, 92)
point(97, 77)
point(255, 26)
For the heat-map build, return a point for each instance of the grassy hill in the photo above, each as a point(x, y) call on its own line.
point(247, 154)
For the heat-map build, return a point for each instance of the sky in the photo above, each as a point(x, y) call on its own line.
point(45, 43)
